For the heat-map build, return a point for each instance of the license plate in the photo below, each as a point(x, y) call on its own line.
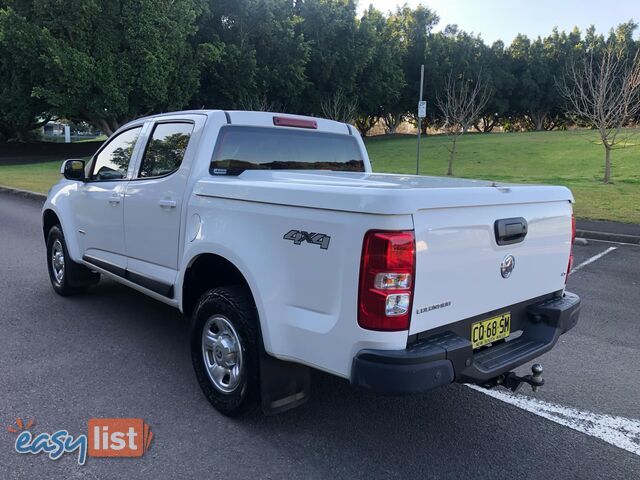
point(491, 330)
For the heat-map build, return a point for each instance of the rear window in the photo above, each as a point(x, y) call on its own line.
point(263, 148)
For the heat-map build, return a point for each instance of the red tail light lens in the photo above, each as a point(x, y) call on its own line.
point(295, 122)
point(573, 237)
point(386, 280)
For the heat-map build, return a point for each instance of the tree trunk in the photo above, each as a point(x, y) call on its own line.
point(115, 124)
point(452, 155)
point(539, 124)
point(365, 123)
point(485, 124)
point(538, 118)
point(607, 164)
point(392, 122)
point(103, 126)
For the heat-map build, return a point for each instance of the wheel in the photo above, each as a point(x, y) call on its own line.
point(224, 349)
point(67, 277)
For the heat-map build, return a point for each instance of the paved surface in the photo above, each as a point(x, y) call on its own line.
point(609, 227)
point(609, 231)
point(115, 353)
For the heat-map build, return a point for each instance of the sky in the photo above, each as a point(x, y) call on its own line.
point(504, 19)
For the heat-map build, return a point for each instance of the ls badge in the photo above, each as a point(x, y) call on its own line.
point(297, 237)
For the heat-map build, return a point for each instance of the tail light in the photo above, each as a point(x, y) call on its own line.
point(295, 122)
point(387, 276)
point(573, 237)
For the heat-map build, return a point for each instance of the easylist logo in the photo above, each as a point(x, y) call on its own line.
point(106, 437)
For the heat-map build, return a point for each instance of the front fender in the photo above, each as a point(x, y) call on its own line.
point(59, 202)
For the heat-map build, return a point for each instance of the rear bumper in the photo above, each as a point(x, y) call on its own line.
point(446, 356)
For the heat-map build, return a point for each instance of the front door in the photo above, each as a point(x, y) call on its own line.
point(100, 203)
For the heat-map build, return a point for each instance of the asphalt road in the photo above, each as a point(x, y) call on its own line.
point(115, 353)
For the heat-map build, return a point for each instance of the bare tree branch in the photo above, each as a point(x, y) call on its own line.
point(603, 89)
point(339, 107)
point(258, 104)
point(461, 104)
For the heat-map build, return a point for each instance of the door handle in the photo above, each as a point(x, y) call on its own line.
point(165, 203)
point(114, 199)
point(510, 230)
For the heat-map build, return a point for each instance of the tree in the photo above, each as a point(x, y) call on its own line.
point(381, 78)
point(251, 54)
point(604, 91)
point(534, 101)
point(495, 62)
point(20, 68)
point(108, 62)
point(461, 103)
point(226, 59)
point(335, 58)
point(282, 53)
point(339, 107)
point(413, 27)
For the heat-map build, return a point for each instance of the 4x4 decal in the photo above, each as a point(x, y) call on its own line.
point(297, 237)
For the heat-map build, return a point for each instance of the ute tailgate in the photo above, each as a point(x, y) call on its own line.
point(458, 260)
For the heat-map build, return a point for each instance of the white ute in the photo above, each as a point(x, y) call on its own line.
point(272, 235)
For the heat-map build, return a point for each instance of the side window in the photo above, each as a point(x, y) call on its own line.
point(112, 162)
point(165, 149)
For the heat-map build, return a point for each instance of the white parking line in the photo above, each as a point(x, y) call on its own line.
point(593, 259)
point(618, 431)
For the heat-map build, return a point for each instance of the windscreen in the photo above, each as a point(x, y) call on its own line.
point(242, 148)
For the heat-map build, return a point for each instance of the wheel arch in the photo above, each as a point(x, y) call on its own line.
point(49, 219)
point(206, 271)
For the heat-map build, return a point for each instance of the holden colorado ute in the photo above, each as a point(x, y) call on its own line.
point(275, 239)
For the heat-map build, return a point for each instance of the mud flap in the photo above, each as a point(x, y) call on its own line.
point(283, 385)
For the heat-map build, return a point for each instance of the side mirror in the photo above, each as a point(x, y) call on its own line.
point(73, 169)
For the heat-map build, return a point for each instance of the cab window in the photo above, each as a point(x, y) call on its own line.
point(112, 162)
point(165, 150)
point(241, 148)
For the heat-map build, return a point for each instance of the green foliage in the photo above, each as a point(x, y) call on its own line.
point(106, 62)
point(380, 80)
point(414, 28)
point(336, 57)
point(20, 111)
point(249, 49)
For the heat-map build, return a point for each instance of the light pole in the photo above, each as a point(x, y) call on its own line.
point(422, 112)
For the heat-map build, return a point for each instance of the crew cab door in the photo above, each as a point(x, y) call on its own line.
point(99, 205)
point(154, 202)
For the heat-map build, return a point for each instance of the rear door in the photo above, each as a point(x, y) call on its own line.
point(100, 204)
point(154, 202)
point(459, 261)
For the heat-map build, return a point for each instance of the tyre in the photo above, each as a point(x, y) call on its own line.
point(67, 277)
point(225, 349)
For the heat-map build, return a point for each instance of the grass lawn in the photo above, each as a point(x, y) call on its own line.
point(37, 177)
point(568, 158)
point(561, 158)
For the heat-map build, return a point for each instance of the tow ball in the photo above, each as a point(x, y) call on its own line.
point(513, 382)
